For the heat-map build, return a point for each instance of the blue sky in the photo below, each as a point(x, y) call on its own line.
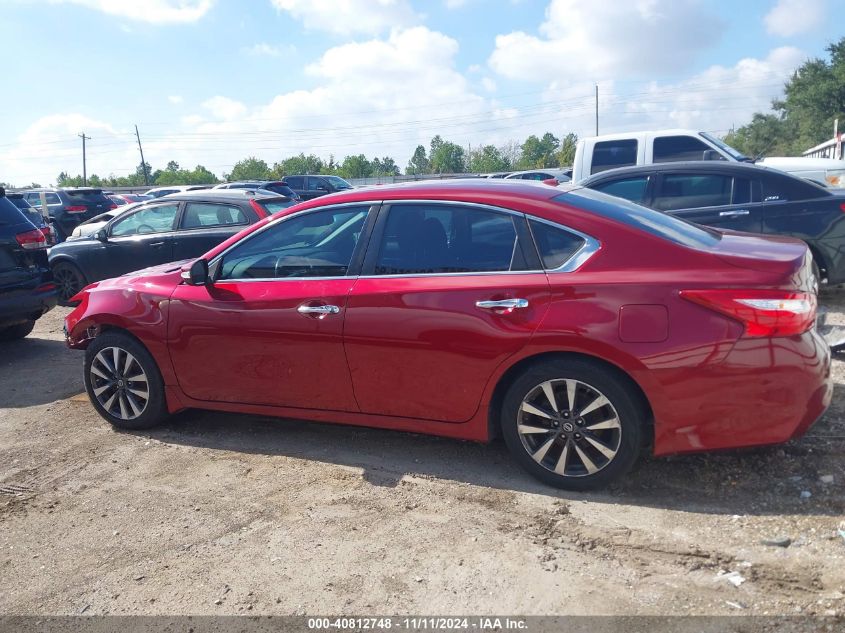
point(212, 81)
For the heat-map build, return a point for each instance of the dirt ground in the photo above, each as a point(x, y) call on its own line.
point(221, 514)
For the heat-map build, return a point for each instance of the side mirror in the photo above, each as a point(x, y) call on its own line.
point(102, 235)
point(197, 274)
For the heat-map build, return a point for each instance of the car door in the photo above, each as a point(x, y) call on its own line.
point(448, 292)
point(203, 225)
point(138, 239)
point(268, 330)
point(713, 198)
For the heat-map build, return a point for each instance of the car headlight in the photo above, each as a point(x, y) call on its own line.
point(835, 177)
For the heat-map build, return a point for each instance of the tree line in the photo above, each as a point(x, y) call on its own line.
point(440, 157)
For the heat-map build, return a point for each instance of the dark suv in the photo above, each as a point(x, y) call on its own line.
point(26, 285)
point(276, 186)
point(33, 215)
point(68, 208)
point(307, 187)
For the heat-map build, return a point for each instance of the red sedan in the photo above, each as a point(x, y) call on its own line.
point(580, 327)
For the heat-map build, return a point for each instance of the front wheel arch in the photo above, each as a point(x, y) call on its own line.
point(494, 422)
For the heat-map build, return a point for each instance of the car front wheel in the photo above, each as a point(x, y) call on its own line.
point(69, 280)
point(573, 424)
point(123, 382)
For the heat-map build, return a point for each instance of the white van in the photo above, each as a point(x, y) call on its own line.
point(600, 153)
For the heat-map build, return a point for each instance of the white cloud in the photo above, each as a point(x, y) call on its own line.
point(794, 17)
point(488, 84)
point(350, 16)
point(605, 38)
point(224, 107)
point(262, 49)
point(175, 99)
point(153, 11)
point(455, 4)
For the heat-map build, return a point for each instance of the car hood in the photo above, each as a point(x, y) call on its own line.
point(160, 280)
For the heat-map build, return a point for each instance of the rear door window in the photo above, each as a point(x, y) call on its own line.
point(613, 154)
point(669, 149)
point(295, 182)
point(200, 215)
point(633, 189)
point(693, 191)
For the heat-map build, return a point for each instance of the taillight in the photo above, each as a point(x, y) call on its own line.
point(76, 209)
point(45, 230)
point(261, 211)
point(32, 239)
point(842, 207)
point(762, 312)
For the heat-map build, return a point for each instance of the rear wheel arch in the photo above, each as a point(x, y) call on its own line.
point(819, 260)
point(494, 423)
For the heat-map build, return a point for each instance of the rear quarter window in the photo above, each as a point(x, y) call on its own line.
point(613, 154)
point(9, 213)
point(653, 222)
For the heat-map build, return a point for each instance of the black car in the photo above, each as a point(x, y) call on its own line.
point(33, 215)
point(175, 227)
point(740, 197)
point(68, 208)
point(276, 186)
point(308, 187)
point(26, 285)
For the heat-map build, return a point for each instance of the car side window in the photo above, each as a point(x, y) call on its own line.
point(201, 214)
point(295, 182)
point(316, 244)
point(317, 184)
point(742, 191)
point(158, 218)
point(53, 198)
point(555, 244)
point(785, 188)
point(613, 154)
point(428, 239)
point(633, 189)
point(669, 149)
point(691, 191)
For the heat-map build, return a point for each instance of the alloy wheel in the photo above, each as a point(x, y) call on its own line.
point(68, 282)
point(569, 427)
point(119, 383)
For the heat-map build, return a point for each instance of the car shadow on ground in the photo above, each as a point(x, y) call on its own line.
point(37, 371)
point(759, 481)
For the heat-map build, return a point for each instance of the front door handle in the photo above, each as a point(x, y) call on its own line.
point(320, 312)
point(506, 305)
point(156, 244)
point(734, 214)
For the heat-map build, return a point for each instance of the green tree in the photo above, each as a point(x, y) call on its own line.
point(251, 168)
point(355, 167)
point(419, 163)
point(295, 165)
point(566, 155)
point(766, 134)
point(539, 152)
point(486, 159)
point(446, 157)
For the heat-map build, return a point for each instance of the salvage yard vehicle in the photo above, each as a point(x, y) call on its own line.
point(581, 327)
point(740, 197)
point(67, 208)
point(165, 229)
point(26, 285)
point(33, 215)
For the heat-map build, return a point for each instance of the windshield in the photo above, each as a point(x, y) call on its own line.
point(735, 154)
point(338, 182)
point(654, 222)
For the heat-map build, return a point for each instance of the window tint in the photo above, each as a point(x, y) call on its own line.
point(632, 189)
point(318, 244)
point(295, 182)
point(691, 191)
point(156, 219)
point(613, 154)
point(317, 184)
point(272, 206)
point(88, 196)
point(536, 175)
point(10, 214)
point(668, 149)
point(200, 214)
point(785, 187)
point(742, 191)
point(556, 244)
point(423, 239)
point(654, 222)
point(283, 190)
point(53, 198)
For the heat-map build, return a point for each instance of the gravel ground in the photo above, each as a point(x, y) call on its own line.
point(224, 514)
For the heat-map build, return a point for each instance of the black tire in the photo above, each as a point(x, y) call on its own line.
point(69, 280)
point(16, 332)
point(154, 410)
point(570, 430)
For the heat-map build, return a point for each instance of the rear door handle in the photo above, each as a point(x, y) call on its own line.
point(156, 244)
point(733, 214)
point(319, 312)
point(502, 304)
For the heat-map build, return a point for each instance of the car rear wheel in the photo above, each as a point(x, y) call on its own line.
point(15, 332)
point(573, 424)
point(69, 280)
point(123, 382)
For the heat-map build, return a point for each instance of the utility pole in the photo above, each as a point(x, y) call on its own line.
point(84, 166)
point(597, 109)
point(143, 164)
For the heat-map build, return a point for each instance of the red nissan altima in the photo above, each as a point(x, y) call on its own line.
point(580, 327)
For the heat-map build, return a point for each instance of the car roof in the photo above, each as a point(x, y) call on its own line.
point(722, 166)
point(212, 195)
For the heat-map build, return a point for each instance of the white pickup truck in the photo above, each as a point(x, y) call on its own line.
point(610, 151)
